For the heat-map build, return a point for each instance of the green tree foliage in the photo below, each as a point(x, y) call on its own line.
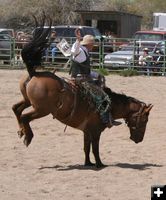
point(17, 13)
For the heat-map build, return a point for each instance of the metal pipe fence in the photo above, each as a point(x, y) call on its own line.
point(113, 54)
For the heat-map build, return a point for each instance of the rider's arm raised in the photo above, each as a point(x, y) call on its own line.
point(76, 50)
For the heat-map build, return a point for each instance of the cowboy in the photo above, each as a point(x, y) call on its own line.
point(145, 57)
point(81, 69)
point(146, 60)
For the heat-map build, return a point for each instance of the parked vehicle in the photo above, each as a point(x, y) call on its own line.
point(5, 31)
point(150, 35)
point(149, 39)
point(124, 56)
point(129, 54)
point(6, 45)
point(159, 21)
point(68, 31)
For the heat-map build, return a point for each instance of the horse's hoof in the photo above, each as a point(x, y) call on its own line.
point(89, 164)
point(27, 141)
point(100, 165)
point(20, 133)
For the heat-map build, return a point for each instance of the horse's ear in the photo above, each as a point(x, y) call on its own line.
point(148, 108)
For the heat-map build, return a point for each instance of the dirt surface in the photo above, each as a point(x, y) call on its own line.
point(51, 168)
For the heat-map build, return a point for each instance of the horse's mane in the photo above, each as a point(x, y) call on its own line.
point(117, 97)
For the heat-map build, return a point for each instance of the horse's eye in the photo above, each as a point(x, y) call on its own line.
point(134, 119)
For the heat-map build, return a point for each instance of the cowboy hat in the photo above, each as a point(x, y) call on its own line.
point(145, 49)
point(88, 39)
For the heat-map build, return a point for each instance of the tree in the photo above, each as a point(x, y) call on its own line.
point(17, 14)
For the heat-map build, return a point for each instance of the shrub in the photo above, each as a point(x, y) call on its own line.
point(103, 71)
point(129, 72)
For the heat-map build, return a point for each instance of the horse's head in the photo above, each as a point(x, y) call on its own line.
point(136, 121)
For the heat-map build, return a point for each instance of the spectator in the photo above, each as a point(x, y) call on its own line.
point(20, 39)
point(159, 58)
point(146, 60)
point(52, 46)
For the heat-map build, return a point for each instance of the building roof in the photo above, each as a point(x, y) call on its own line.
point(105, 12)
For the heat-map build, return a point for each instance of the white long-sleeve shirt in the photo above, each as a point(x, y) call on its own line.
point(78, 52)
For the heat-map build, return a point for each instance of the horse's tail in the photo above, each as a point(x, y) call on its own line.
point(33, 51)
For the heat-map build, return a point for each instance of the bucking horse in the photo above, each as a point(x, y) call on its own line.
point(46, 93)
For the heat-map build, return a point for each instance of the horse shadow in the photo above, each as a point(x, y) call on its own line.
point(72, 167)
point(144, 166)
point(140, 167)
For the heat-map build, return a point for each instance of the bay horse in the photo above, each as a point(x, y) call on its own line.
point(46, 93)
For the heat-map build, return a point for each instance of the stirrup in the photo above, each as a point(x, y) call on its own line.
point(116, 123)
point(111, 124)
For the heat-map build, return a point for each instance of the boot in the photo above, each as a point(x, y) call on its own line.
point(113, 123)
point(108, 120)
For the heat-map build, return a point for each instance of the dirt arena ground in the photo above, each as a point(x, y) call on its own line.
point(51, 168)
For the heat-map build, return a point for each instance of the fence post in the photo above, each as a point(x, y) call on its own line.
point(13, 53)
point(134, 52)
point(101, 52)
point(163, 73)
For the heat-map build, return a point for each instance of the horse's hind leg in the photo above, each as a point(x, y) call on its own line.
point(18, 109)
point(25, 120)
point(87, 145)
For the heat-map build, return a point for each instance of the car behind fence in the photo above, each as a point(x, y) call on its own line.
point(114, 54)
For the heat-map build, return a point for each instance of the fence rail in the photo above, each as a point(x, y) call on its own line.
point(114, 54)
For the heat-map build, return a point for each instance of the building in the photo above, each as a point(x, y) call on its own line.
point(121, 24)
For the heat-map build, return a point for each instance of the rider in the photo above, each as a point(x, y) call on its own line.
point(80, 68)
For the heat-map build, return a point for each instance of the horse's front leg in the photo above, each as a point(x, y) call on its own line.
point(95, 137)
point(87, 145)
point(26, 119)
point(18, 109)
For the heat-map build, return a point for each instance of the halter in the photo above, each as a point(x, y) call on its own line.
point(138, 116)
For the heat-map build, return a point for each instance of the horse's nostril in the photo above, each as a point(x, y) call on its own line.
point(134, 128)
point(135, 140)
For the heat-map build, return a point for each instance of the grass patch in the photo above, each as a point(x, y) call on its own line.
point(128, 72)
point(103, 71)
